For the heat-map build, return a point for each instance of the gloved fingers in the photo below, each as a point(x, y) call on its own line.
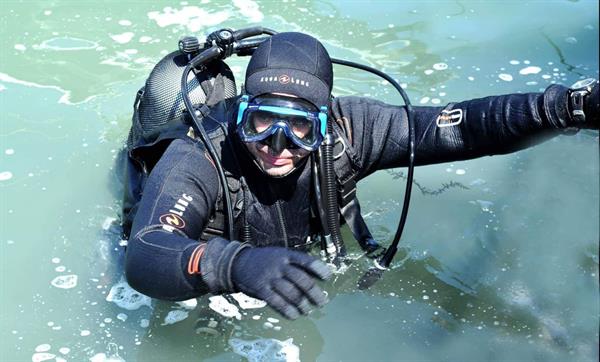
point(306, 284)
point(292, 294)
point(284, 308)
point(311, 265)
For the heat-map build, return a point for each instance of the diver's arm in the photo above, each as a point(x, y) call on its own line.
point(163, 254)
point(164, 260)
point(459, 131)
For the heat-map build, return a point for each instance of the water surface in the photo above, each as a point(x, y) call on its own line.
point(499, 259)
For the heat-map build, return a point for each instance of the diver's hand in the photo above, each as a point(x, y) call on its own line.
point(283, 278)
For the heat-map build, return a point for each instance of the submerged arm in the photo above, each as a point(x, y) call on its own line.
point(163, 253)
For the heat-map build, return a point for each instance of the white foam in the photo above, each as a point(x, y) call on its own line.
point(460, 171)
point(122, 317)
point(144, 323)
point(123, 38)
point(192, 17)
point(471, 78)
point(145, 39)
point(60, 268)
point(440, 66)
point(43, 348)
point(175, 316)
point(66, 44)
point(220, 305)
point(56, 260)
point(20, 47)
point(505, 77)
point(65, 281)
point(85, 333)
point(102, 357)
point(188, 304)
point(249, 9)
point(125, 297)
point(571, 40)
point(64, 350)
point(530, 70)
point(247, 302)
point(5, 176)
point(424, 100)
point(125, 22)
point(39, 357)
point(485, 205)
point(266, 350)
point(515, 62)
point(428, 71)
point(107, 223)
point(65, 98)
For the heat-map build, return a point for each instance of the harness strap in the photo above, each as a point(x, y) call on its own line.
point(348, 203)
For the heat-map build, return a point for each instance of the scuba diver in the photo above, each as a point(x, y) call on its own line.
point(234, 202)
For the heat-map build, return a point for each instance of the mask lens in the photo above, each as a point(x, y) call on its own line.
point(259, 122)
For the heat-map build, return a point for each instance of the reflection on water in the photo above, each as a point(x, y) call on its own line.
point(499, 260)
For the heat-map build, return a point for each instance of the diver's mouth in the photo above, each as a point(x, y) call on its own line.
point(274, 158)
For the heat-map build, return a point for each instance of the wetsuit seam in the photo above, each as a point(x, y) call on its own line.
point(147, 230)
point(165, 182)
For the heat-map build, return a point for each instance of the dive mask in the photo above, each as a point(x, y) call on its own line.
point(263, 117)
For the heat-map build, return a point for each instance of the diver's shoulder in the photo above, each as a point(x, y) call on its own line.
point(358, 101)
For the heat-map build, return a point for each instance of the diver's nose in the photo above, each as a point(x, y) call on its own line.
point(278, 141)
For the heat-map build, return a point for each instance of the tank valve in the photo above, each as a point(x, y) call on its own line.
point(189, 45)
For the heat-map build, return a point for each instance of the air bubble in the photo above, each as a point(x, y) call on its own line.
point(5, 176)
point(65, 281)
point(43, 348)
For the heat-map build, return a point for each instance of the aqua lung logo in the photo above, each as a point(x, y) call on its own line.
point(174, 219)
point(171, 221)
point(449, 118)
point(285, 79)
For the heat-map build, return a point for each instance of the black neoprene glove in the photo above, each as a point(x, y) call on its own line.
point(591, 107)
point(284, 278)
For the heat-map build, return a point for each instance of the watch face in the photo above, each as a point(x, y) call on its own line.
point(583, 83)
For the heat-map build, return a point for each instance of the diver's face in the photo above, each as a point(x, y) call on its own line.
point(276, 164)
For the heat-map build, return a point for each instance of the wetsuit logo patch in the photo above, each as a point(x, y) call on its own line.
point(172, 220)
point(284, 79)
point(449, 118)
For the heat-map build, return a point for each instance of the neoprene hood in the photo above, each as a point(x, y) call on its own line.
point(291, 63)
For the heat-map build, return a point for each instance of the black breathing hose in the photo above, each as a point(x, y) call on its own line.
point(386, 259)
point(332, 218)
point(209, 147)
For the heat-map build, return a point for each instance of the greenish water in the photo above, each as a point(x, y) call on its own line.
point(500, 264)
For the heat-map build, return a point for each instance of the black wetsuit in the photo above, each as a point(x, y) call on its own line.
point(164, 258)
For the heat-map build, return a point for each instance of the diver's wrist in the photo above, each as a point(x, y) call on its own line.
point(577, 96)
